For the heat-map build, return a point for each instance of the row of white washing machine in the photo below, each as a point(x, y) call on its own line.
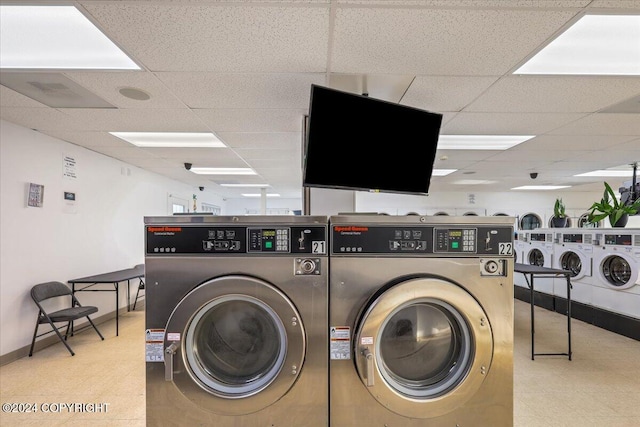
point(604, 265)
point(344, 321)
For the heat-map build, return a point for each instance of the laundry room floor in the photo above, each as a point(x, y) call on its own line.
point(599, 387)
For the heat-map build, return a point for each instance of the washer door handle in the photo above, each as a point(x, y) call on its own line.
point(369, 372)
point(168, 361)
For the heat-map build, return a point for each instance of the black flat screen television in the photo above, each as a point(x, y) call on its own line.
point(361, 143)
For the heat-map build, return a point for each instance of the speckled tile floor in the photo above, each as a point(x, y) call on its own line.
point(599, 387)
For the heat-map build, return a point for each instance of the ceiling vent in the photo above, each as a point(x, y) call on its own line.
point(53, 89)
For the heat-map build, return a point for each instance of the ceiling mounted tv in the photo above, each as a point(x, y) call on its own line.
point(360, 143)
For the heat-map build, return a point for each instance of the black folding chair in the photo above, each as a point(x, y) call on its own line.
point(49, 290)
point(140, 286)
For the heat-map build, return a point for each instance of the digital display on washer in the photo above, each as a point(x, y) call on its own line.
point(455, 240)
point(572, 238)
point(269, 239)
point(617, 239)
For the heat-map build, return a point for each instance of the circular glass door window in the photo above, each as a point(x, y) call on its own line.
point(424, 349)
point(616, 271)
point(236, 345)
point(530, 221)
point(231, 338)
point(536, 257)
point(571, 261)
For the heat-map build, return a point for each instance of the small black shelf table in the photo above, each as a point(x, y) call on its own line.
point(532, 271)
point(113, 277)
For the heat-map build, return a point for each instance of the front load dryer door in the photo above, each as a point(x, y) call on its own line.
point(234, 345)
point(577, 264)
point(423, 347)
point(619, 271)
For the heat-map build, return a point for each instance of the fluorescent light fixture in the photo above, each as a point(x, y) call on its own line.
point(55, 37)
point(541, 187)
point(442, 172)
point(170, 139)
point(223, 171)
point(480, 142)
point(594, 45)
point(618, 173)
point(246, 185)
point(260, 195)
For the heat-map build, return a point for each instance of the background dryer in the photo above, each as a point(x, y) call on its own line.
point(421, 318)
point(236, 321)
point(616, 276)
point(539, 251)
point(574, 252)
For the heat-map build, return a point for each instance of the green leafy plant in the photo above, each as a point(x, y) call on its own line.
point(559, 209)
point(610, 207)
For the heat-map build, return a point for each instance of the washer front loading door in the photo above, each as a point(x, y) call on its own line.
point(423, 347)
point(577, 264)
point(239, 345)
point(618, 271)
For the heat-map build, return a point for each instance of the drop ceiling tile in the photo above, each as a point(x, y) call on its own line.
point(632, 146)
point(465, 123)
point(124, 153)
point(614, 157)
point(199, 156)
point(465, 155)
point(40, 118)
point(11, 98)
point(269, 155)
point(198, 36)
point(577, 143)
point(439, 41)
point(107, 85)
point(140, 120)
point(275, 141)
point(252, 119)
point(555, 94)
point(92, 140)
point(440, 93)
point(625, 4)
point(478, 3)
point(603, 124)
point(210, 90)
point(533, 155)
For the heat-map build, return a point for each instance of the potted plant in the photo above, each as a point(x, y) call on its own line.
point(559, 219)
point(610, 207)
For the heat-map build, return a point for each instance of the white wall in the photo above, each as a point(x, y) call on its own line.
point(59, 242)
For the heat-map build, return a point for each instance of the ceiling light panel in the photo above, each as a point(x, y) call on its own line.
point(480, 142)
point(171, 139)
point(55, 37)
point(594, 45)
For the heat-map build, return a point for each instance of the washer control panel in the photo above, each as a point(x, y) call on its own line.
point(421, 240)
point(220, 239)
